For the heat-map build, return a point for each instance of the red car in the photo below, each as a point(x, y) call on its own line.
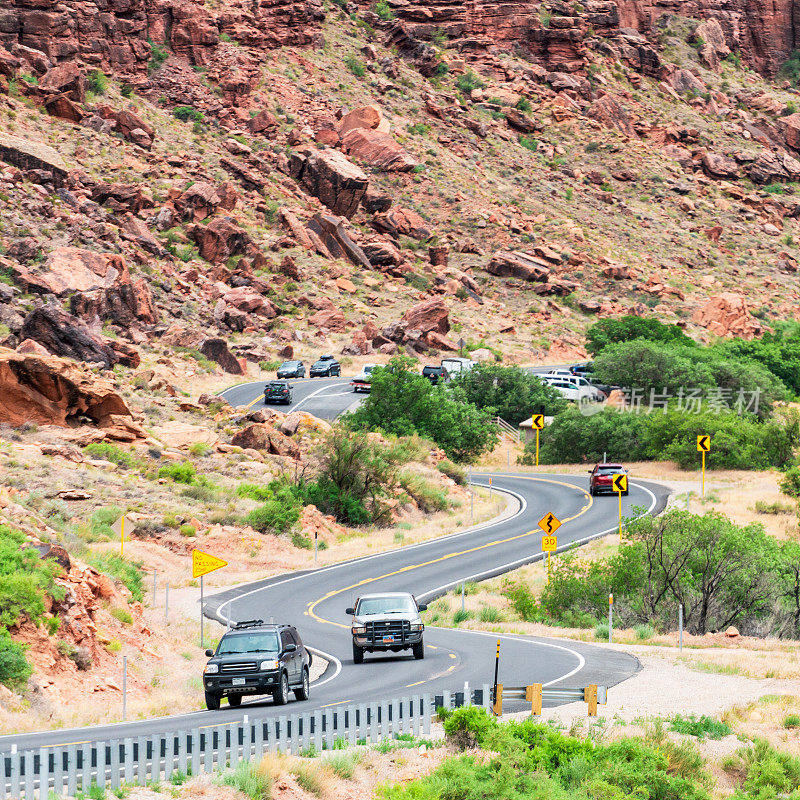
point(602, 475)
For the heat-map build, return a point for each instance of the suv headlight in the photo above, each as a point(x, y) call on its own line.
point(417, 627)
point(359, 630)
point(211, 669)
point(267, 665)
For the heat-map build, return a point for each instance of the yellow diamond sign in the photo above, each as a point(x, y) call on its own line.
point(537, 421)
point(203, 563)
point(550, 523)
point(620, 483)
point(704, 443)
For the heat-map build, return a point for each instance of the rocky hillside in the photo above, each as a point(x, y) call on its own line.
point(244, 180)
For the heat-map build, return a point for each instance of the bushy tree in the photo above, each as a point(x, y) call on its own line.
point(624, 329)
point(403, 402)
point(508, 392)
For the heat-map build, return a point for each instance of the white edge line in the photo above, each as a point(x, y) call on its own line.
point(476, 529)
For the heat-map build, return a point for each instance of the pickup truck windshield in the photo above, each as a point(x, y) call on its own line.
point(386, 605)
point(249, 643)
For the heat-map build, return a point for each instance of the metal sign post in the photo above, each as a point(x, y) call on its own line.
point(620, 485)
point(496, 669)
point(537, 422)
point(703, 446)
point(610, 617)
point(124, 688)
point(202, 621)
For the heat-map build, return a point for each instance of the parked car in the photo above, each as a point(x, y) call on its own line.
point(387, 622)
point(278, 392)
point(254, 658)
point(325, 367)
point(362, 381)
point(583, 370)
point(601, 477)
point(583, 390)
point(560, 372)
point(452, 366)
point(432, 373)
point(292, 369)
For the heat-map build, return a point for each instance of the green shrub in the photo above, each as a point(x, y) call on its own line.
point(14, 667)
point(383, 10)
point(524, 105)
point(249, 778)
point(468, 81)
point(274, 516)
point(179, 473)
point(355, 66)
point(624, 329)
point(186, 113)
point(308, 779)
point(342, 764)
point(269, 366)
point(158, 55)
point(461, 616)
point(644, 632)
point(701, 727)
point(200, 449)
point(529, 143)
point(254, 492)
point(419, 128)
point(601, 632)
point(490, 614)
point(188, 530)
point(97, 82)
point(128, 573)
point(122, 616)
point(522, 600)
point(468, 727)
point(110, 452)
point(791, 721)
point(403, 402)
point(428, 496)
point(453, 471)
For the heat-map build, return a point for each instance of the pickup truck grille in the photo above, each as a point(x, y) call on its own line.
point(399, 629)
point(239, 666)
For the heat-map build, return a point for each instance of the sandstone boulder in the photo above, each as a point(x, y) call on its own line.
point(246, 299)
point(427, 316)
point(369, 117)
point(331, 177)
point(29, 155)
point(199, 201)
point(402, 222)
point(54, 391)
point(222, 238)
point(379, 150)
point(176, 434)
point(608, 111)
point(67, 336)
point(790, 128)
point(727, 315)
point(329, 319)
point(332, 233)
point(517, 264)
point(263, 436)
point(719, 166)
point(217, 350)
point(67, 79)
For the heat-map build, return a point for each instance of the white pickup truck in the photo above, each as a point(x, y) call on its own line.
point(361, 382)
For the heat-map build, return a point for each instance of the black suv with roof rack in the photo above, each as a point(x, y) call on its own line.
point(257, 658)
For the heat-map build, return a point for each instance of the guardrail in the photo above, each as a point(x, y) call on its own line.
point(63, 770)
point(535, 694)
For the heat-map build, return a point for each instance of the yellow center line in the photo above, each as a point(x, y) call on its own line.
point(312, 606)
point(452, 655)
point(418, 683)
point(337, 703)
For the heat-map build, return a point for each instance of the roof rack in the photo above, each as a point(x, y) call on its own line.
point(249, 623)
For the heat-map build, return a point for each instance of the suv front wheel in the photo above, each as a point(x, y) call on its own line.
point(281, 695)
point(419, 650)
point(358, 654)
point(303, 692)
point(213, 701)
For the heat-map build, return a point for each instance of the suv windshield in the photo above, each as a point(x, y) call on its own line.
point(249, 643)
point(386, 605)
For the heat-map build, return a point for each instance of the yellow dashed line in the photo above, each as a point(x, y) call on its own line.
point(338, 703)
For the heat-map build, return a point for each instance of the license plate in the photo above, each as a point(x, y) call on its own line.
point(238, 681)
point(388, 638)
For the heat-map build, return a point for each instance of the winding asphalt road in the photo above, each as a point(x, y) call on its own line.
point(315, 601)
point(326, 398)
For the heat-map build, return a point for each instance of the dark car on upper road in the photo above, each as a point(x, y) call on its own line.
point(387, 621)
point(278, 392)
point(292, 369)
point(583, 370)
point(601, 477)
point(254, 658)
point(325, 367)
point(432, 373)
